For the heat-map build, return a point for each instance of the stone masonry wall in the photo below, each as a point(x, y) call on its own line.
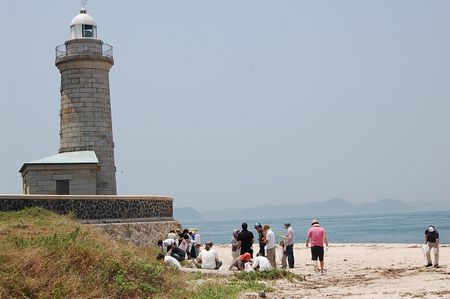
point(41, 179)
point(96, 208)
point(85, 115)
point(144, 234)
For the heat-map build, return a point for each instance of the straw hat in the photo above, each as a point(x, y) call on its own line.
point(314, 221)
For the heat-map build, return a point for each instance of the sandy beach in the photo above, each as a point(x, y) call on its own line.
point(363, 271)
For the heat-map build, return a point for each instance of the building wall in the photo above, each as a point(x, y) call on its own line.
point(41, 179)
point(85, 115)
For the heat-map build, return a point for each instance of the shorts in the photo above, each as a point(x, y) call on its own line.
point(317, 252)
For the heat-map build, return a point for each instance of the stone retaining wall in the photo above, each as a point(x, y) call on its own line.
point(144, 234)
point(101, 208)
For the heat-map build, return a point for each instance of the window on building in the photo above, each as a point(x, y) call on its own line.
point(62, 187)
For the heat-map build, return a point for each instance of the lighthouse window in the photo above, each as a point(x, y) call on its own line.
point(88, 31)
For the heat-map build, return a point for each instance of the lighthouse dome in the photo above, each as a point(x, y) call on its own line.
point(83, 26)
point(83, 18)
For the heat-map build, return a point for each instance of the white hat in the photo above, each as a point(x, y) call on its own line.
point(431, 229)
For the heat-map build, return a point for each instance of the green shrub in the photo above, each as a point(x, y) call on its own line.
point(269, 275)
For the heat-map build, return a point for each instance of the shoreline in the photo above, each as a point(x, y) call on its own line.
point(361, 270)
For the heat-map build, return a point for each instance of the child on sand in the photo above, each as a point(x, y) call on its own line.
point(283, 255)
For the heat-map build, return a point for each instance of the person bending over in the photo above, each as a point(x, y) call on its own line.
point(169, 260)
point(261, 263)
point(240, 261)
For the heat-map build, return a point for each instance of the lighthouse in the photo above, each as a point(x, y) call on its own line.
point(85, 163)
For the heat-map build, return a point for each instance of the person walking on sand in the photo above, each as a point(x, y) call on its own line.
point(289, 243)
point(432, 240)
point(259, 229)
point(317, 236)
point(245, 240)
point(270, 245)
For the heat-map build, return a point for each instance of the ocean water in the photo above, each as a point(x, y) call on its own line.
point(377, 228)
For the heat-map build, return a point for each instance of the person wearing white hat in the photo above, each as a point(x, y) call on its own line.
point(432, 240)
point(317, 236)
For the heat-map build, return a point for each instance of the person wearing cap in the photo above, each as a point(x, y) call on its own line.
point(208, 258)
point(259, 229)
point(289, 243)
point(197, 241)
point(245, 240)
point(270, 245)
point(317, 236)
point(432, 240)
point(240, 261)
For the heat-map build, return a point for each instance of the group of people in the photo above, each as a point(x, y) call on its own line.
point(187, 245)
point(179, 246)
point(242, 245)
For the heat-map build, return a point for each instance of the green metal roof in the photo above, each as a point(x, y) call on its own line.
point(80, 157)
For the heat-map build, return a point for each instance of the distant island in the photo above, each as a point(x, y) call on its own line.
point(335, 206)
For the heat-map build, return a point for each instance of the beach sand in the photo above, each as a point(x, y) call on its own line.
point(362, 271)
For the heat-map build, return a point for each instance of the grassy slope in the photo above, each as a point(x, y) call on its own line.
point(44, 255)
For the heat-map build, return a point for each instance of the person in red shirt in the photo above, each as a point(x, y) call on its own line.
point(317, 236)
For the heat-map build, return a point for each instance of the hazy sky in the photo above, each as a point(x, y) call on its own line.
point(239, 103)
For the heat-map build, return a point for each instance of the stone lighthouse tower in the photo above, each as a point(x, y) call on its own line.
point(84, 62)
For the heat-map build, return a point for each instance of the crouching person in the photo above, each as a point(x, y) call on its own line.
point(176, 253)
point(240, 261)
point(208, 258)
point(261, 263)
point(169, 260)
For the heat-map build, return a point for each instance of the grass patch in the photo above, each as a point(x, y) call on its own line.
point(413, 295)
point(228, 290)
point(269, 275)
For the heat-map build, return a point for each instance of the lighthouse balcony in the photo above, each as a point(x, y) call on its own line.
point(84, 46)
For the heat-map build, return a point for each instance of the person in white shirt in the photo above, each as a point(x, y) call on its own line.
point(261, 263)
point(164, 244)
point(172, 235)
point(208, 258)
point(169, 260)
point(270, 245)
point(197, 242)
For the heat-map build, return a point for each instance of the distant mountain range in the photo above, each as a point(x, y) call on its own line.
point(335, 206)
point(187, 214)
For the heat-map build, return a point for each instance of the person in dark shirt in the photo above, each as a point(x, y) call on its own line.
point(260, 231)
point(245, 240)
point(176, 253)
point(432, 240)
